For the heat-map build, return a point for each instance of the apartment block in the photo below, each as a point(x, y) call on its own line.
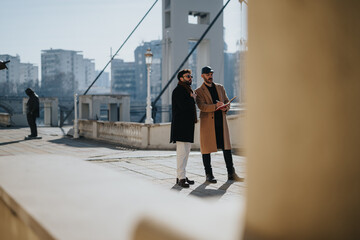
point(18, 76)
point(65, 72)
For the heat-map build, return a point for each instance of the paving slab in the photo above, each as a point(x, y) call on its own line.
point(156, 166)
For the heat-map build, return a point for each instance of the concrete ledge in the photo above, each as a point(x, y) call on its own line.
point(60, 197)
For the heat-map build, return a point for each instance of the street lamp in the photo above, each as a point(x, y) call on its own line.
point(148, 60)
point(76, 126)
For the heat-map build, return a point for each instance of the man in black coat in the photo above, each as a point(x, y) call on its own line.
point(183, 123)
point(32, 111)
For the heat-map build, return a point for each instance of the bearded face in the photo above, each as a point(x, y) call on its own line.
point(208, 78)
point(187, 78)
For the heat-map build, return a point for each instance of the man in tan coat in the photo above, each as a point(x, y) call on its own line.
point(214, 131)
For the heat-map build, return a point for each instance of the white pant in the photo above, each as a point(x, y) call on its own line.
point(182, 155)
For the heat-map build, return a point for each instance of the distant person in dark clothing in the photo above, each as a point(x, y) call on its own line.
point(32, 111)
point(183, 123)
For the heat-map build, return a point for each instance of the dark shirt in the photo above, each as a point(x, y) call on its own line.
point(218, 118)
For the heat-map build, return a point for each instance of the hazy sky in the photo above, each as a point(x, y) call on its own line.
point(90, 26)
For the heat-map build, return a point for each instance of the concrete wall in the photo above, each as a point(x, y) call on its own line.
point(151, 136)
point(19, 120)
point(118, 107)
point(14, 119)
point(51, 112)
point(4, 119)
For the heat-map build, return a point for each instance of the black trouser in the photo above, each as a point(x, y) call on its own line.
point(31, 119)
point(228, 161)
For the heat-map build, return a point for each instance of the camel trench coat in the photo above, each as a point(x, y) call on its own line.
point(207, 121)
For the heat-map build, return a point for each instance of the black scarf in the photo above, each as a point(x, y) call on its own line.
point(186, 86)
point(190, 91)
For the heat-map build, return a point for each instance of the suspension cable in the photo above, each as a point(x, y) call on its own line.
point(111, 58)
point(186, 58)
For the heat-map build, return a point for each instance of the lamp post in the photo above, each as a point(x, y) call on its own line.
point(148, 60)
point(76, 126)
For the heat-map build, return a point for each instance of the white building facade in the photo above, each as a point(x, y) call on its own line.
point(18, 76)
point(65, 72)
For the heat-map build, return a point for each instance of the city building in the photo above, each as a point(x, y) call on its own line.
point(141, 69)
point(65, 72)
point(239, 79)
point(138, 105)
point(103, 80)
point(29, 76)
point(102, 84)
point(18, 76)
point(123, 78)
point(183, 22)
point(230, 73)
point(90, 73)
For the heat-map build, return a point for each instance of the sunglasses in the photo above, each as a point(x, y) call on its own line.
point(188, 76)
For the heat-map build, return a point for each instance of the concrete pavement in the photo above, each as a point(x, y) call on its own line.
point(156, 167)
point(58, 187)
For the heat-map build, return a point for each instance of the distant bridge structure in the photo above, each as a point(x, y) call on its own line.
point(11, 105)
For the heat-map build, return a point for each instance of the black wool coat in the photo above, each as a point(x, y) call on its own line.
point(33, 107)
point(183, 116)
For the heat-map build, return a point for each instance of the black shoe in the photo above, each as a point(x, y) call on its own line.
point(234, 177)
point(191, 182)
point(210, 178)
point(182, 183)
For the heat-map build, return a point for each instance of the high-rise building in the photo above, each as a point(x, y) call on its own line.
point(90, 73)
point(141, 70)
point(9, 78)
point(18, 76)
point(139, 105)
point(102, 84)
point(123, 78)
point(103, 80)
point(29, 76)
point(240, 75)
point(230, 73)
point(64, 72)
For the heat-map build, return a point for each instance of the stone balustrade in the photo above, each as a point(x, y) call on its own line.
point(126, 133)
point(150, 136)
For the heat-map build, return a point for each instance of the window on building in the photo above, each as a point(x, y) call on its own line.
point(195, 17)
point(167, 19)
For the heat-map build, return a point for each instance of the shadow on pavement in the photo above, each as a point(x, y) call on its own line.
point(203, 192)
point(6, 143)
point(176, 187)
point(11, 127)
point(82, 142)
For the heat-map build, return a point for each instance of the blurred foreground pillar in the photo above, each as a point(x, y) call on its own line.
point(303, 120)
